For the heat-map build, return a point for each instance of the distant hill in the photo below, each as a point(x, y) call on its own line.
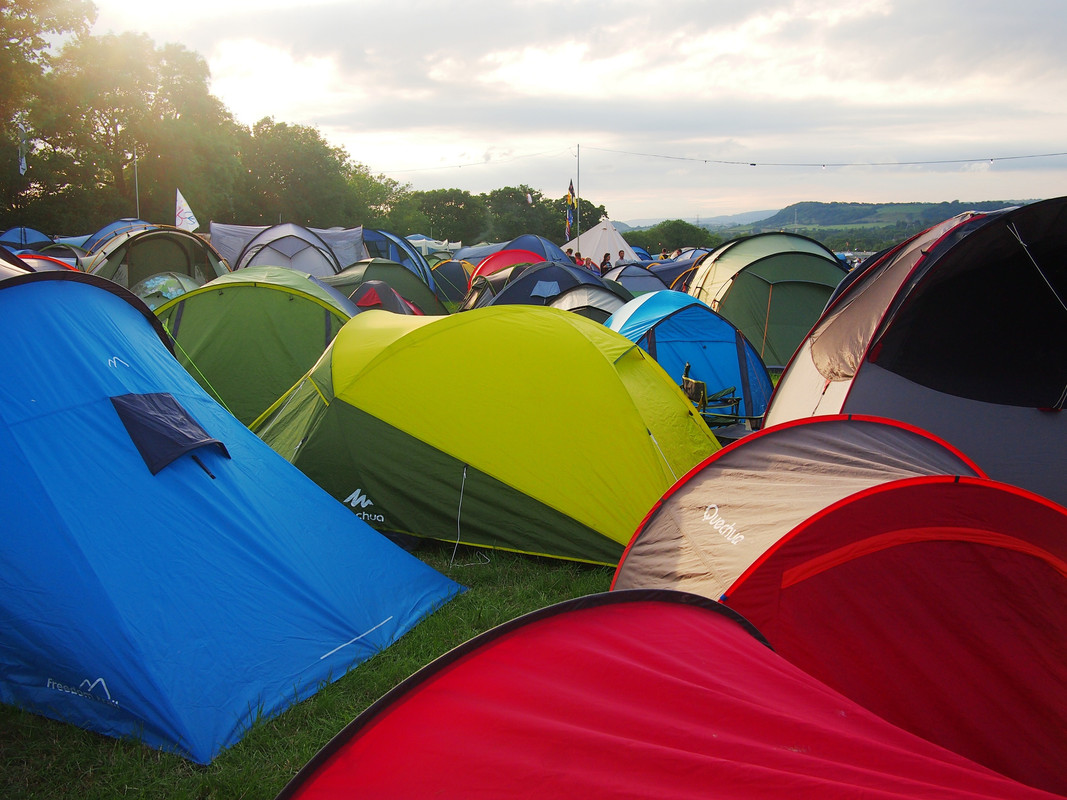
point(724, 221)
point(866, 227)
point(856, 227)
point(839, 215)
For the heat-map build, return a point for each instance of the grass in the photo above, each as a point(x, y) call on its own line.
point(46, 759)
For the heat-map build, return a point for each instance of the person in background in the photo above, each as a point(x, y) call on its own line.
point(663, 254)
point(605, 263)
point(621, 259)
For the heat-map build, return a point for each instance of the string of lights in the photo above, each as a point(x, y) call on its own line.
point(822, 164)
point(727, 162)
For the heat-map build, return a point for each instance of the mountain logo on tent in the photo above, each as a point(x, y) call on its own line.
point(360, 500)
point(357, 498)
point(726, 530)
point(86, 689)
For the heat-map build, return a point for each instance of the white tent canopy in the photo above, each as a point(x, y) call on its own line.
point(603, 238)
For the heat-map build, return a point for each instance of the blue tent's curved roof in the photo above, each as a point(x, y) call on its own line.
point(23, 238)
point(383, 244)
point(540, 245)
point(538, 284)
point(676, 328)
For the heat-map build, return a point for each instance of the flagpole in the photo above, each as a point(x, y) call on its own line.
point(136, 186)
point(578, 196)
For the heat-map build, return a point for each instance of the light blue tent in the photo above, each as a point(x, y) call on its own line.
point(678, 329)
point(166, 576)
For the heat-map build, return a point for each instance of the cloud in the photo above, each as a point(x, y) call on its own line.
point(655, 99)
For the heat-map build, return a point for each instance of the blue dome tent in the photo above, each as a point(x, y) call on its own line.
point(167, 577)
point(677, 329)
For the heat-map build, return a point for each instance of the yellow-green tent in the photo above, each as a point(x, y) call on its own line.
point(517, 427)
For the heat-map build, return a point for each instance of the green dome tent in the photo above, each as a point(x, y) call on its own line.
point(248, 336)
point(772, 286)
point(129, 257)
point(552, 435)
point(406, 283)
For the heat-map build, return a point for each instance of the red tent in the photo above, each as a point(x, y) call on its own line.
point(630, 695)
point(917, 587)
point(501, 259)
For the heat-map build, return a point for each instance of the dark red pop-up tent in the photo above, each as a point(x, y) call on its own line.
point(630, 695)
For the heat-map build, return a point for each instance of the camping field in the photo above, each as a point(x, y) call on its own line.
point(50, 760)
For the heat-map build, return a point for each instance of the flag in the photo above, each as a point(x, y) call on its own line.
point(23, 148)
point(183, 215)
point(570, 211)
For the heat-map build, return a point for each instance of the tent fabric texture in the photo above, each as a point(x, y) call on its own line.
point(130, 257)
point(249, 336)
point(484, 287)
point(383, 244)
point(289, 245)
point(501, 259)
point(677, 330)
point(882, 561)
point(676, 273)
point(630, 695)
point(772, 286)
point(379, 294)
point(194, 583)
point(591, 301)
point(452, 279)
point(405, 282)
point(23, 238)
point(540, 283)
point(545, 248)
point(552, 435)
point(911, 338)
point(89, 245)
point(637, 278)
point(39, 262)
point(155, 290)
point(317, 251)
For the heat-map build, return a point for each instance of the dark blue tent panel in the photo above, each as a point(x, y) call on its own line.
point(160, 428)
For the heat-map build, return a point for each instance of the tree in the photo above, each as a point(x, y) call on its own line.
point(588, 216)
point(26, 27)
point(290, 173)
point(672, 234)
point(517, 210)
point(118, 124)
point(26, 30)
point(453, 214)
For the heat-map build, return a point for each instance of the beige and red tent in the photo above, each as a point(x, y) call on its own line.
point(883, 562)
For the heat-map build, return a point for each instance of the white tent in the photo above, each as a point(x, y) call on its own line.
point(603, 238)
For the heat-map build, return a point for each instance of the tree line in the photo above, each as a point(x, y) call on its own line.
point(108, 127)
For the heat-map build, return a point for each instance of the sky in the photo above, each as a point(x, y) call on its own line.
point(682, 109)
